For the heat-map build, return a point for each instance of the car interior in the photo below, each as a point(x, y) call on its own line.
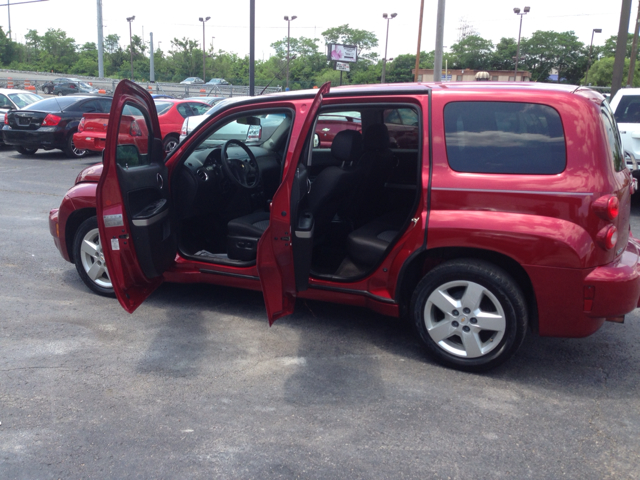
point(352, 200)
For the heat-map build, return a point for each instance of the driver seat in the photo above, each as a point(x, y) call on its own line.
point(330, 188)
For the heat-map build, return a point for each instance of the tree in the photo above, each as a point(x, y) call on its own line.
point(472, 52)
point(601, 72)
point(547, 50)
point(503, 57)
point(400, 69)
point(58, 51)
point(610, 45)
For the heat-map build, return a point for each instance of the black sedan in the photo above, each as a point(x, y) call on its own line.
point(47, 87)
point(70, 88)
point(51, 123)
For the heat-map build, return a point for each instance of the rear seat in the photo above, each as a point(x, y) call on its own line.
point(366, 245)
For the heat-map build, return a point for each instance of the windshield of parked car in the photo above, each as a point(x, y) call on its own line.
point(628, 110)
point(245, 129)
point(163, 107)
point(86, 85)
point(52, 104)
point(24, 99)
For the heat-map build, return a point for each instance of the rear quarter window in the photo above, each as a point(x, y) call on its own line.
point(504, 137)
point(613, 139)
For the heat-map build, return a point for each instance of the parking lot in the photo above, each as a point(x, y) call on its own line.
point(195, 384)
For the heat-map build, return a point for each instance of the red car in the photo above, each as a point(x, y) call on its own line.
point(92, 129)
point(511, 215)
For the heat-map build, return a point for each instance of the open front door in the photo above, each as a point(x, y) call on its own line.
point(133, 201)
point(275, 255)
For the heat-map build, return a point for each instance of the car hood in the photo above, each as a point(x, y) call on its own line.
point(90, 174)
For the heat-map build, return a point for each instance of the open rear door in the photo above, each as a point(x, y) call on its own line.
point(275, 254)
point(133, 201)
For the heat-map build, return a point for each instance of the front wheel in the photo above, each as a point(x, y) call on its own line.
point(72, 151)
point(89, 258)
point(470, 314)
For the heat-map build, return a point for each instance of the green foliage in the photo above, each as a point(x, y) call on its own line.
point(601, 72)
point(472, 52)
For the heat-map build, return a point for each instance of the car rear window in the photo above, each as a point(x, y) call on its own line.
point(52, 104)
point(163, 107)
point(504, 137)
point(628, 110)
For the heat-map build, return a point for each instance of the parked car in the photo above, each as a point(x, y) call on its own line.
point(47, 87)
point(217, 81)
point(11, 99)
point(208, 100)
point(626, 109)
point(50, 123)
point(92, 130)
point(191, 81)
point(161, 95)
point(70, 88)
point(507, 218)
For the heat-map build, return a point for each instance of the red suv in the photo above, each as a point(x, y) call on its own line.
point(506, 209)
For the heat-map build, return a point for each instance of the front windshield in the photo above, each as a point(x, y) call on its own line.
point(24, 99)
point(252, 130)
point(86, 85)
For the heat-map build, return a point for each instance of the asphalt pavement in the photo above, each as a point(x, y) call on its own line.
point(195, 384)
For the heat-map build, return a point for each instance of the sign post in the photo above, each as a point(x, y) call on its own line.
point(342, 55)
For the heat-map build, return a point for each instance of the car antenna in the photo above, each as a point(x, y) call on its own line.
point(293, 57)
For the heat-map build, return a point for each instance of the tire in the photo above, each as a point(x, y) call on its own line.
point(89, 260)
point(470, 314)
point(170, 143)
point(26, 150)
point(71, 151)
point(46, 90)
point(60, 94)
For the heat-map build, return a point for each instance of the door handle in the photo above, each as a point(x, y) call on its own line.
point(160, 181)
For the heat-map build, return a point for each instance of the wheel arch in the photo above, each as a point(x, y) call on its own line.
point(73, 223)
point(423, 262)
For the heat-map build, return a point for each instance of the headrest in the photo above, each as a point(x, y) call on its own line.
point(347, 146)
point(376, 137)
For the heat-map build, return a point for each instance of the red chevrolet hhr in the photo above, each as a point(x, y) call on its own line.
point(480, 210)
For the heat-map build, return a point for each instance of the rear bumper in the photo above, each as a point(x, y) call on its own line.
point(617, 285)
point(88, 142)
point(33, 138)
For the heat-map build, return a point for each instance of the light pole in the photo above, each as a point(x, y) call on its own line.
point(204, 50)
point(517, 12)
point(131, 19)
point(288, 20)
point(595, 30)
point(386, 44)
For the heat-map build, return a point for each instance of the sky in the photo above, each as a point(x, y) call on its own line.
point(228, 28)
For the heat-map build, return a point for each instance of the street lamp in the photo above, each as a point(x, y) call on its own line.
point(595, 30)
point(517, 12)
point(204, 50)
point(131, 19)
point(384, 60)
point(288, 20)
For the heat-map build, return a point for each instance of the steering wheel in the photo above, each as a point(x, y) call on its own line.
point(243, 172)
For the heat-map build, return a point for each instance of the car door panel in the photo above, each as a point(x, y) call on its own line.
point(133, 199)
point(275, 262)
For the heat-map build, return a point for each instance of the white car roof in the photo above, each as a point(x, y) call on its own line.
point(7, 91)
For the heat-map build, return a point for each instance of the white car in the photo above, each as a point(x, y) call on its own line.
point(626, 109)
point(191, 81)
point(12, 99)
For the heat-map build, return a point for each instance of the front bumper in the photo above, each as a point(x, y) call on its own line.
point(54, 229)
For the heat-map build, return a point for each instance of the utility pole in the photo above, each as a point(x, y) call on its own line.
point(252, 46)
point(131, 19)
point(386, 44)
point(204, 50)
point(634, 51)
point(100, 42)
point(415, 76)
point(437, 64)
point(621, 48)
point(152, 69)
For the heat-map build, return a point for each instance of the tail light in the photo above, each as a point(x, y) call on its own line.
point(588, 294)
point(183, 130)
point(51, 120)
point(134, 129)
point(81, 126)
point(6, 119)
point(608, 237)
point(607, 207)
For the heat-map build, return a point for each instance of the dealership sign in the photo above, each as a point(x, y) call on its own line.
point(343, 53)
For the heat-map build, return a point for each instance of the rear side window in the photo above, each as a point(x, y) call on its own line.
point(56, 104)
point(613, 138)
point(628, 110)
point(504, 137)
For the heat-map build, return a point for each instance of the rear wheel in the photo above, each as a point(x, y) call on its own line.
point(71, 151)
point(26, 151)
point(170, 143)
point(89, 258)
point(59, 94)
point(470, 314)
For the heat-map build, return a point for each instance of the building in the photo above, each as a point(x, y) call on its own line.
point(468, 75)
